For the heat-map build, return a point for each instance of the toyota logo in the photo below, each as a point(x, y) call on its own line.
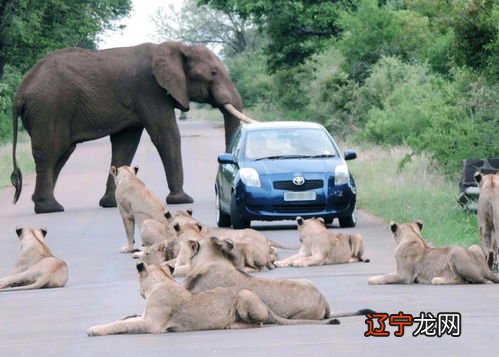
point(298, 180)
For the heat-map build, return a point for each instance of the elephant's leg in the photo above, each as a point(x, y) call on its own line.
point(47, 154)
point(165, 135)
point(62, 161)
point(124, 145)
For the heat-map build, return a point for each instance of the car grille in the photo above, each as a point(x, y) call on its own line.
point(290, 186)
point(298, 209)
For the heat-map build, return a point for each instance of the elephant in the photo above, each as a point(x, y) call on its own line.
point(75, 95)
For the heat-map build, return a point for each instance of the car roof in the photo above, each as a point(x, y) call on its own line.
point(282, 125)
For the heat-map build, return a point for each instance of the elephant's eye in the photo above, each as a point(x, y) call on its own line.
point(213, 72)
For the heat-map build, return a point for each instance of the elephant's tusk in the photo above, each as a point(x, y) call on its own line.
point(244, 118)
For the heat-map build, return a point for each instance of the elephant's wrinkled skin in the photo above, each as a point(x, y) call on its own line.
point(74, 95)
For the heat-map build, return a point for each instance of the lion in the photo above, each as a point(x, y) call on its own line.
point(418, 262)
point(254, 249)
point(36, 267)
point(135, 203)
point(172, 308)
point(292, 299)
point(250, 253)
point(319, 246)
point(488, 215)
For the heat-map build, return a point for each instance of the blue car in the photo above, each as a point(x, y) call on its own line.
point(281, 170)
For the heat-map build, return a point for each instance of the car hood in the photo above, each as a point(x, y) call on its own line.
point(269, 167)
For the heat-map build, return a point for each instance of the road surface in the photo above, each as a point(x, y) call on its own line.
point(103, 284)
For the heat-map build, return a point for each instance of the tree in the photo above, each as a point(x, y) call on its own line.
point(296, 29)
point(202, 24)
point(29, 28)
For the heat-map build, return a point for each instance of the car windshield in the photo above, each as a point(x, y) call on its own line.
point(288, 143)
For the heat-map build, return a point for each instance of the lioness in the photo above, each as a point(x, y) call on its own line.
point(321, 246)
point(135, 203)
point(417, 262)
point(171, 308)
point(254, 250)
point(292, 299)
point(36, 267)
point(488, 215)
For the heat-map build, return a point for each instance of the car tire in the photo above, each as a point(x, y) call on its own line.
point(235, 216)
point(349, 221)
point(223, 219)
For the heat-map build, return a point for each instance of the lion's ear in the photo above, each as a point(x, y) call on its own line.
point(194, 246)
point(299, 220)
point(176, 227)
point(171, 268)
point(113, 170)
point(419, 223)
point(19, 231)
point(189, 212)
point(322, 220)
point(478, 176)
point(44, 231)
point(199, 227)
point(135, 170)
point(393, 226)
point(141, 267)
point(168, 215)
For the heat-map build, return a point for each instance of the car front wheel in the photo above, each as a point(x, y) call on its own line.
point(349, 221)
point(223, 219)
point(238, 222)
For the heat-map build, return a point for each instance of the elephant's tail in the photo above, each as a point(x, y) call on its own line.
point(16, 177)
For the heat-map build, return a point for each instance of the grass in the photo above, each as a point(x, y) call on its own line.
point(24, 159)
point(418, 191)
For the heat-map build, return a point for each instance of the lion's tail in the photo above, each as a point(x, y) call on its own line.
point(16, 177)
point(492, 277)
point(275, 244)
point(360, 312)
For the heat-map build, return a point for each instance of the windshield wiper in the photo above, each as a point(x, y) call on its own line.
point(280, 157)
point(321, 155)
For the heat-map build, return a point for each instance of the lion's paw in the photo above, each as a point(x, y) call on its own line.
point(126, 249)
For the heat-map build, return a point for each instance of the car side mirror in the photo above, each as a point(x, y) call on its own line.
point(350, 155)
point(226, 159)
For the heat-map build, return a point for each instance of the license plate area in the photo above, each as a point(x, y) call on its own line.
point(300, 196)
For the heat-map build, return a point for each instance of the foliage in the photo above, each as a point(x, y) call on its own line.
point(296, 29)
point(202, 24)
point(372, 31)
point(8, 84)
point(29, 29)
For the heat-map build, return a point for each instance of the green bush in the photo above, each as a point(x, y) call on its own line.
point(8, 86)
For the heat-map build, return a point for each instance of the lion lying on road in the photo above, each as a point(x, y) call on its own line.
point(488, 215)
point(293, 299)
point(135, 203)
point(417, 262)
point(171, 308)
point(253, 249)
point(36, 267)
point(320, 246)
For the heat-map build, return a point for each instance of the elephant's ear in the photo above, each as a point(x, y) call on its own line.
point(168, 68)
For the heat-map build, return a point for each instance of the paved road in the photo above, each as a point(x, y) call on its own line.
point(103, 285)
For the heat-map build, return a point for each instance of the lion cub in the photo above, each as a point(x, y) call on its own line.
point(320, 246)
point(488, 215)
point(171, 308)
point(136, 203)
point(417, 262)
point(36, 267)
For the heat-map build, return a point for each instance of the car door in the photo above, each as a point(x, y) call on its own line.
point(227, 173)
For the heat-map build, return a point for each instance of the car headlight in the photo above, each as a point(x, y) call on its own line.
point(249, 177)
point(341, 175)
